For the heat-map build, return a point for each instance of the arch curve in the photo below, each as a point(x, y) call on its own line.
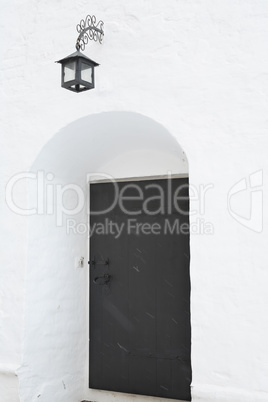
point(104, 141)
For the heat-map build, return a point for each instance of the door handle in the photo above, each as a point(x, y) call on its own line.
point(94, 262)
point(102, 280)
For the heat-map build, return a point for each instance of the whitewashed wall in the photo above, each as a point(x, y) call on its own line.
point(199, 68)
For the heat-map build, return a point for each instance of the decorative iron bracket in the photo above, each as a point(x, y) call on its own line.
point(89, 30)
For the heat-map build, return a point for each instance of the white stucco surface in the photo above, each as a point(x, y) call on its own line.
point(192, 73)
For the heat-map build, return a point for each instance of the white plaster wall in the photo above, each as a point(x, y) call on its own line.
point(8, 386)
point(200, 69)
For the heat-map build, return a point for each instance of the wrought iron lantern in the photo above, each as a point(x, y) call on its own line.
point(78, 70)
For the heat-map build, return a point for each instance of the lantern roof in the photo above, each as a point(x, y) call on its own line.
point(75, 55)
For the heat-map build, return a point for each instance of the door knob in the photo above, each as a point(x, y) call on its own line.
point(102, 280)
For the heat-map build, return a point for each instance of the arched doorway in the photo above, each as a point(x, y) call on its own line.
point(121, 145)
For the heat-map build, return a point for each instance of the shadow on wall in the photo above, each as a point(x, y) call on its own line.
point(123, 144)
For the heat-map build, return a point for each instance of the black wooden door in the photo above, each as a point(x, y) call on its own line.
point(140, 336)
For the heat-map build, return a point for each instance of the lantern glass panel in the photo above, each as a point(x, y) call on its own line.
point(69, 71)
point(86, 73)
